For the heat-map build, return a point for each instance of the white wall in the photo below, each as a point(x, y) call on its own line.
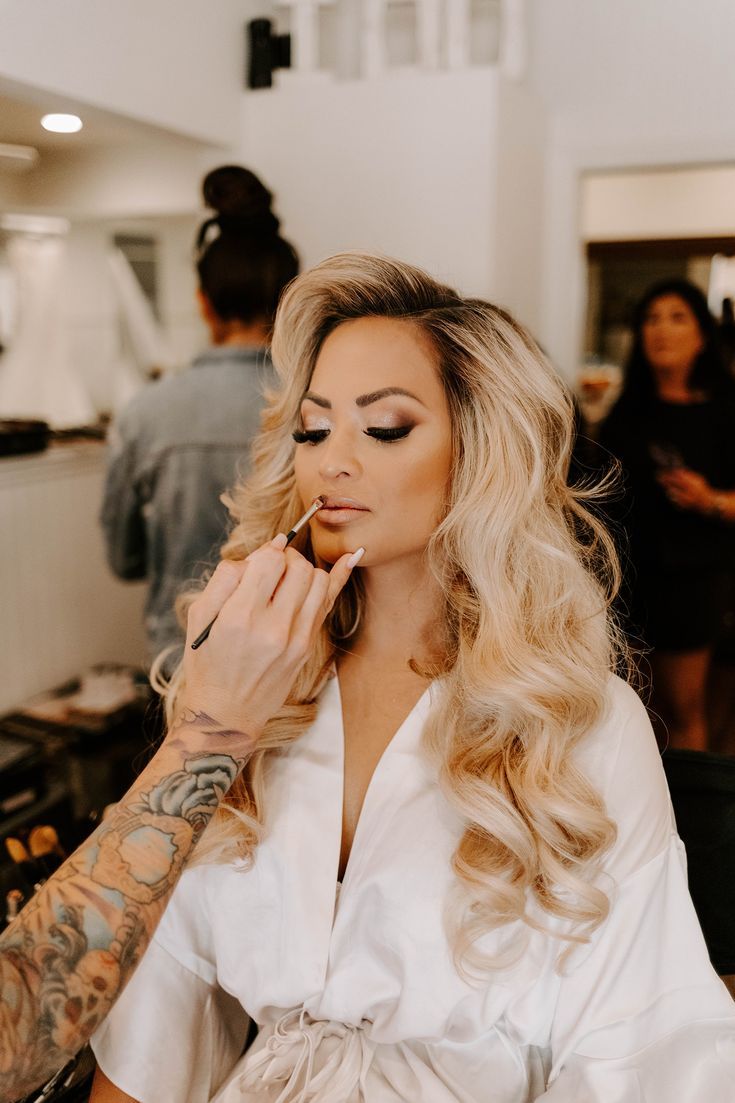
point(650, 75)
point(520, 164)
point(176, 63)
point(62, 608)
point(442, 169)
point(672, 203)
point(405, 165)
point(132, 181)
point(627, 85)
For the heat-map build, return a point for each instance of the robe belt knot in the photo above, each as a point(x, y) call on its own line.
point(308, 1059)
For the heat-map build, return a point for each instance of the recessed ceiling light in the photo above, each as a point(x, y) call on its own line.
point(62, 124)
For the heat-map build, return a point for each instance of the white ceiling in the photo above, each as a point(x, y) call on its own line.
point(20, 124)
point(592, 55)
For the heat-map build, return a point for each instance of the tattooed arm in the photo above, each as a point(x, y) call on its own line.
point(69, 954)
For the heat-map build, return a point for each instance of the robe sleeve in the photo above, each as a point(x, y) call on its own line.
point(174, 1034)
point(641, 1016)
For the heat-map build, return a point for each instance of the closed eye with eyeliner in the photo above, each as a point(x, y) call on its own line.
point(387, 435)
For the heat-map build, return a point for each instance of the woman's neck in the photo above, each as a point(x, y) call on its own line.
point(680, 396)
point(240, 335)
point(672, 385)
point(400, 619)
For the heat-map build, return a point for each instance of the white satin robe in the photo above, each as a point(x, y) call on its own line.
point(355, 992)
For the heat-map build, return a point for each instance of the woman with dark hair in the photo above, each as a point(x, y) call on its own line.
point(672, 430)
point(242, 262)
point(179, 444)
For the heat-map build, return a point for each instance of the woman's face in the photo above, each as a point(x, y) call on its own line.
point(672, 339)
point(375, 438)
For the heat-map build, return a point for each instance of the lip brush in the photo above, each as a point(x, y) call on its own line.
point(315, 506)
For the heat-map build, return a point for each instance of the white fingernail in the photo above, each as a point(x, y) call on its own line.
point(355, 558)
point(279, 541)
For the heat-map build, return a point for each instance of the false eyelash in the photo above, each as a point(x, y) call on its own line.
point(388, 435)
point(316, 436)
point(312, 436)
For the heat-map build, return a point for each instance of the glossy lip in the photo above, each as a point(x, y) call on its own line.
point(339, 511)
point(341, 503)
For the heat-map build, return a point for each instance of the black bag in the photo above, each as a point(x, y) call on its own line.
point(702, 787)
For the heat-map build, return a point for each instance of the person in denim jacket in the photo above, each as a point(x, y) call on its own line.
point(181, 442)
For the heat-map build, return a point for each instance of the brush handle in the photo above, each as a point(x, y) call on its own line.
point(203, 635)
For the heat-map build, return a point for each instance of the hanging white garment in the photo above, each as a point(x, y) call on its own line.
point(37, 378)
point(149, 343)
point(357, 997)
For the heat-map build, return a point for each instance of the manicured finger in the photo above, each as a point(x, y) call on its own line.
point(293, 586)
point(258, 583)
point(339, 574)
point(310, 615)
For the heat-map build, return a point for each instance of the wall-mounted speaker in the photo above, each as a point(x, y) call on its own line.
point(266, 51)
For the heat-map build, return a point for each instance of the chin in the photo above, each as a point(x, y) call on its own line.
point(329, 548)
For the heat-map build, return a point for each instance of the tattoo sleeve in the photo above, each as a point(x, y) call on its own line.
point(69, 954)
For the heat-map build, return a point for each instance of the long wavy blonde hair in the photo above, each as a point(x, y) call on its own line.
point(526, 572)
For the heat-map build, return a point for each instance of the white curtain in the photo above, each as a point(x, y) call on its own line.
point(37, 379)
point(149, 343)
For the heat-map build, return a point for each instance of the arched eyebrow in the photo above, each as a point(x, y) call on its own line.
point(363, 399)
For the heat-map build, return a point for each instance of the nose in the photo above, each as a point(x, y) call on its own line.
point(659, 330)
point(338, 456)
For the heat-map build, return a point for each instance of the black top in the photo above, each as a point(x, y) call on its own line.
point(700, 436)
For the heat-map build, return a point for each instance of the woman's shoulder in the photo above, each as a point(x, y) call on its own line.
point(624, 703)
point(142, 415)
point(621, 759)
point(622, 733)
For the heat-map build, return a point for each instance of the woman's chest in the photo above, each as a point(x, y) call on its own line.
point(378, 949)
point(281, 933)
point(691, 436)
point(370, 720)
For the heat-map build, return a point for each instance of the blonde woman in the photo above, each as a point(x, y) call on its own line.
point(448, 871)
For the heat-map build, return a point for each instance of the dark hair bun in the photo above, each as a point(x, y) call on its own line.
point(242, 202)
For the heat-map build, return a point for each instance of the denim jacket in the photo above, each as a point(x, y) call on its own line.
point(174, 449)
